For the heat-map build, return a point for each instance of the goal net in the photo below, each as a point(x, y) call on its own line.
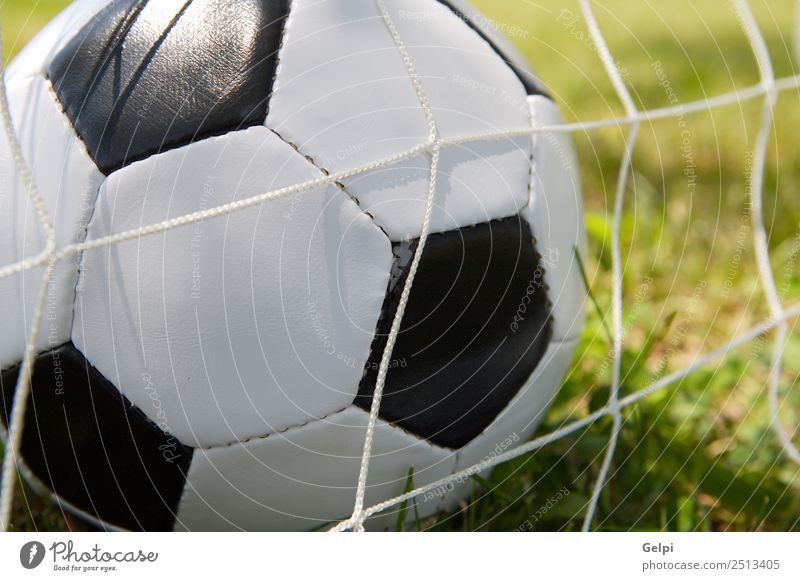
point(632, 123)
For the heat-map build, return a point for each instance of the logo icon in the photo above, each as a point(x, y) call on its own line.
point(31, 554)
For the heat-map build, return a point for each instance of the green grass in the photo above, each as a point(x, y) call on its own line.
point(22, 19)
point(699, 455)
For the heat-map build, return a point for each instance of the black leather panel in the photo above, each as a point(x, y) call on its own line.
point(146, 76)
point(475, 327)
point(87, 443)
point(483, 27)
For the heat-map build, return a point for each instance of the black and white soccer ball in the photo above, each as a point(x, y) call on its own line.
point(218, 375)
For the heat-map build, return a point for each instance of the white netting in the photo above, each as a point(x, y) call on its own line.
point(767, 89)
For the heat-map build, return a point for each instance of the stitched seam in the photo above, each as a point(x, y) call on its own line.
point(295, 146)
point(343, 189)
point(339, 185)
point(321, 168)
point(275, 433)
point(533, 170)
point(311, 421)
point(534, 142)
point(517, 68)
point(278, 58)
point(278, 68)
point(325, 171)
point(84, 233)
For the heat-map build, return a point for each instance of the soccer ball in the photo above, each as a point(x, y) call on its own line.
point(219, 374)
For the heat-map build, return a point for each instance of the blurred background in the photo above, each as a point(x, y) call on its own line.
point(699, 455)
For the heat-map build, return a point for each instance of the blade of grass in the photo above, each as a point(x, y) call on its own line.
point(401, 515)
point(655, 337)
point(587, 286)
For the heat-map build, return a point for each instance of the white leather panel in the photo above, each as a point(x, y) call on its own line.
point(516, 423)
point(245, 324)
point(469, 86)
point(343, 97)
point(306, 477)
point(37, 54)
point(341, 91)
point(500, 39)
point(476, 182)
point(68, 182)
point(555, 213)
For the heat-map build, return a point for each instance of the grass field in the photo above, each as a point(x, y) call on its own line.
point(699, 455)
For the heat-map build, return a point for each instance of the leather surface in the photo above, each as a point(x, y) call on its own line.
point(476, 183)
point(491, 31)
point(555, 213)
point(305, 478)
point(470, 88)
point(95, 450)
point(344, 98)
point(248, 323)
point(143, 77)
point(518, 421)
point(474, 329)
point(68, 182)
point(261, 322)
point(342, 94)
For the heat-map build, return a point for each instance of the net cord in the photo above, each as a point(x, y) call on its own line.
point(768, 89)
